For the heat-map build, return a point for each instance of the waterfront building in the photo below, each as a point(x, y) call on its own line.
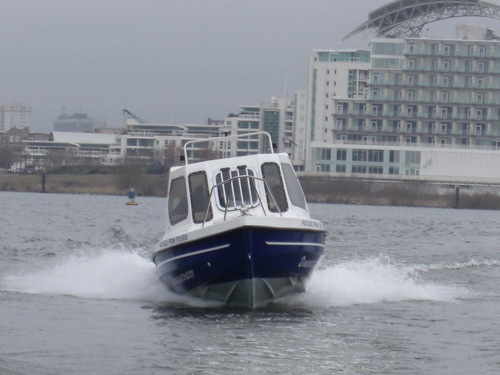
point(332, 75)
point(426, 93)
point(446, 163)
point(277, 117)
point(67, 148)
point(14, 116)
point(14, 136)
point(76, 123)
point(299, 141)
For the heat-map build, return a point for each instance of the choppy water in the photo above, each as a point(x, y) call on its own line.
point(400, 291)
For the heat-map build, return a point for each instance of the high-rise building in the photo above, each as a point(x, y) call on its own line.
point(14, 116)
point(422, 94)
point(333, 74)
point(427, 91)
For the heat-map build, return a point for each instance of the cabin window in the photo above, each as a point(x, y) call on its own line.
point(200, 204)
point(293, 186)
point(235, 189)
point(177, 201)
point(272, 177)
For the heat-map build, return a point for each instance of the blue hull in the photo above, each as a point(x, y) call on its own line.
point(249, 266)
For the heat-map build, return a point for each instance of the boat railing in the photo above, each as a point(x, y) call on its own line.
point(227, 138)
point(245, 207)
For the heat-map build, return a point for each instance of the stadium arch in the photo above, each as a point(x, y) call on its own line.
point(407, 18)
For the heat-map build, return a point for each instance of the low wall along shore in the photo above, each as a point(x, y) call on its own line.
point(319, 189)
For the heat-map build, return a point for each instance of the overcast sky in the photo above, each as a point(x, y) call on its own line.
point(166, 60)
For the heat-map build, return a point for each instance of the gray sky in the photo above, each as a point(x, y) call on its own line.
point(166, 60)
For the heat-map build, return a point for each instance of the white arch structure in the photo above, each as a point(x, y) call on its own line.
point(407, 18)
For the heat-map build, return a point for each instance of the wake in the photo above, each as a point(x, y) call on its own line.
point(375, 280)
point(127, 275)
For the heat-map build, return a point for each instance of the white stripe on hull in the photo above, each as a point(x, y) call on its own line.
point(295, 244)
point(194, 253)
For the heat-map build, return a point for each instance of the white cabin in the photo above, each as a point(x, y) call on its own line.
point(204, 194)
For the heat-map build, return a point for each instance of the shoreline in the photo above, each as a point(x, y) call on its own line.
point(317, 190)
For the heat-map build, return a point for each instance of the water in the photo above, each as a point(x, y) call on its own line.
point(400, 291)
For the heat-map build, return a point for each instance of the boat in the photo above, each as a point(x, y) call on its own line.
point(132, 203)
point(239, 230)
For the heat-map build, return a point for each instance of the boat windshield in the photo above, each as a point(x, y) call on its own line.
point(293, 186)
point(272, 176)
point(177, 201)
point(235, 189)
point(198, 189)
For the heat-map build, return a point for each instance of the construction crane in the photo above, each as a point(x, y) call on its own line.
point(130, 115)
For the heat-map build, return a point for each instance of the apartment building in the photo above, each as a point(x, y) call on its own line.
point(422, 94)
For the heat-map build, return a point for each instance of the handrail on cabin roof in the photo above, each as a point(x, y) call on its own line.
point(227, 137)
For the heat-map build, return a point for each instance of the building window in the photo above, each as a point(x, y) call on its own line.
point(376, 156)
point(377, 109)
point(396, 125)
point(358, 169)
point(340, 168)
point(411, 126)
point(322, 167)
point(468, 66)
point(393, 170)
point(376, 170)
point(412, 157)
point(468, 81)
point(444, 96)
point(131, 142)
point(341, 107)
point(430, 127)
point(340, 123)
point(359, 155)
point(394, 156)
point(341, 155)
point(446, 112)
point(445, 128)
point(325, 154)
point(480, 129)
